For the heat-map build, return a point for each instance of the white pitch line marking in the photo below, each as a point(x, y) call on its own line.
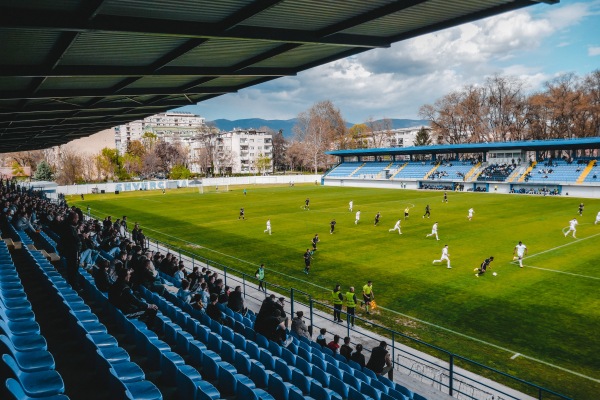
point(515, 356)
point(562, 272)
point(417, 319)
point(561, 246)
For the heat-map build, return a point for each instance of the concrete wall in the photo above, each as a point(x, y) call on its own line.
point(167, 184)
point(567, 189)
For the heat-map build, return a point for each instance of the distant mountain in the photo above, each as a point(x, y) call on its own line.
point(288, 124)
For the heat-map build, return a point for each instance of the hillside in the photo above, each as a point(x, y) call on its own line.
point(287, 125)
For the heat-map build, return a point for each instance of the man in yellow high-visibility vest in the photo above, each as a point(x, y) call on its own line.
point(368, 295)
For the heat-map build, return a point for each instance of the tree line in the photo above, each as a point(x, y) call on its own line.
point(500, 109)
point(567, 106)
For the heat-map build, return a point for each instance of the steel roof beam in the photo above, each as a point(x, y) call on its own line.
point(517, 4)
point(60, 21)
point(124, 71)
point(369, 16)
point(247, 12)
point(65, 93)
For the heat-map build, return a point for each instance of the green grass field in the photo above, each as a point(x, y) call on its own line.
point(549, 312)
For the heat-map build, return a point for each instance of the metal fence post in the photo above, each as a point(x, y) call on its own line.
point(451, 376)
point(393, 348)
point(310, 305)
point(225, 276)
point(292, 301)
point(244, 284)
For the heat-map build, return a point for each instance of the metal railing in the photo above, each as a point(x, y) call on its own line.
point(440, 370)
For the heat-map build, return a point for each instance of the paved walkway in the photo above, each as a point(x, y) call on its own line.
point(416, 370)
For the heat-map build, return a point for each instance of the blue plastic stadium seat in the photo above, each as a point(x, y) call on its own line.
point(262, 341)
point(334, 371)
point(190, 385)
point(253, 350)
point(379, 386)
point(354, 394)
point(339, 387)
point(321, 376)
point(371, 374)
point(36, 384)
point(305, 354)
point(351, 380)
point(16, 390)
point(260, 375)
point(278, 388)
point(404, 390)
point(370, 391)
point(28, 361)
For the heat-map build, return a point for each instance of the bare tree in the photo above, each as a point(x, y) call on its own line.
point(71, 167)
point(280, 146)
point(380, 131)
point(317, 129)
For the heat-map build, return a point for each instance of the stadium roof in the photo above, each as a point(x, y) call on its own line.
point(70, 68)
point(528, 145)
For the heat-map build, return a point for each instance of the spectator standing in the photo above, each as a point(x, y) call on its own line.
point(351, 305)
point(338, 300)
point(368, 295)
point(260, 275)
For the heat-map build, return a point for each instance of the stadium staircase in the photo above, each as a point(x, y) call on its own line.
point(357, 169)
point(472, 172)
point(517, 172)
point(476, 173)
point(528, 170)
point(398, 170)
point(586, 172)
point(431, 171)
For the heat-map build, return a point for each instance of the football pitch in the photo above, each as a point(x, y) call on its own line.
point(540, 322)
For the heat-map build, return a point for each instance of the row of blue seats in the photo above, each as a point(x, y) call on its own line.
point(161, 357)
point(306, 366)
point(30, 367)
point(125, 379)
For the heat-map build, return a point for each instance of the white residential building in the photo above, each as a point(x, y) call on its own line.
point(173, 127)
point(240, 150)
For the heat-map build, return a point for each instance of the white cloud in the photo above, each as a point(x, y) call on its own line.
point(593, 51)
point(395, 82)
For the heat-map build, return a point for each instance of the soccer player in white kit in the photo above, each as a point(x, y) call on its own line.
point(597, 218)
point(357, 217)
point(350, 205)
point(396, 228)
point(572, 227)
point(434, 229)
point(445, 256)
point(521, 251)
point(471, 212)
point(268, 227)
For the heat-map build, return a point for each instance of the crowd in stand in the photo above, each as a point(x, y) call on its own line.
point(496, 172)
point(120, 265)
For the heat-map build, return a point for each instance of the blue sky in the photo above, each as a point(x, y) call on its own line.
point(535, 44)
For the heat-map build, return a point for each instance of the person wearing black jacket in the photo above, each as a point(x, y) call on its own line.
point(121, 296)
point(236, 301)
point(70, 245)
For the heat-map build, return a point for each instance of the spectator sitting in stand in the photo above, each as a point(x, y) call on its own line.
point(122, 297)
point(100, 274)
point(184, 294)
point(213, 310)
point(358, 356)
point(334, 345)
point(321, 339)
point(236, 301)
point(346, 350)
point(299, 327)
